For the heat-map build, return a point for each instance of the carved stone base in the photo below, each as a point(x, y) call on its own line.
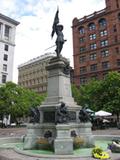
point(63, 144)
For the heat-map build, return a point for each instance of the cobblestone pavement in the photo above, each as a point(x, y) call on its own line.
point(14, 132)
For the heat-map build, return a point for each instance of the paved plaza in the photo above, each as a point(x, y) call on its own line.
point(6, 154)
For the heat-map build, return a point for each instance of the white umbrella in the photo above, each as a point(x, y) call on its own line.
point(102, 113)
point(106, 121)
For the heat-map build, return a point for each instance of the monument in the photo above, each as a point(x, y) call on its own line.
point(58, 121)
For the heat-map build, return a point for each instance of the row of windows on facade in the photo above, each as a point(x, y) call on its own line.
point(38, 73)
point(94, 67)
point(94, 46)
point(40, 89)
point(85, 79)
point(6, 31)
point(39, 65)
point(102, 23)
point(34, 81)
point(93, 36)
point(32, 70)
point(93, 56)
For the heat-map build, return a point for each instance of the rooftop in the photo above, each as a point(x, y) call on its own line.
point(9, 19)
point(44, 56)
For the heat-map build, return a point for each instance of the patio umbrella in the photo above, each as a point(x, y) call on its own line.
point(106, 121)
point(102, 113)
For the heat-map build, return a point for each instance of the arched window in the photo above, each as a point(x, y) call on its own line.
point(81, 30)
point(91, 26)
point(102, 22)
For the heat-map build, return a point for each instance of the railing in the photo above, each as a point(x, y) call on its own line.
point(92, 15)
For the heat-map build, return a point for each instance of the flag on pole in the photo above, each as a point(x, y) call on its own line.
point(56, 21)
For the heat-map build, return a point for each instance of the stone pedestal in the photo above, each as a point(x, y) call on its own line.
point(86, 132)
point(59, 90)
point(30, 140)
point(63, 144)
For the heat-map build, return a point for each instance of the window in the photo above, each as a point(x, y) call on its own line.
point(93, 46)
point(6, 47)
point(103, 33)
point(4, 78)
point(117, 49)
point(4, 67)
point(82, 49)
point(117, 4)
point(94, 77)
point(115, 39)
point(83, 69)
point(93, 56)
point(105, 53)
point(7, 32)
point(115, 28)
point(102, 22)
point(83, 80)
point(104, 43)
point(91, 26)
point(118, 62)
point(81, 30)
point(93, 67)
point(5, 57)
point(82, 59)
point(82, 39)
point(105, 74)
point(92, 36)
point(105, 65)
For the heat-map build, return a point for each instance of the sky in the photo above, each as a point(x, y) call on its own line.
point(36, 19)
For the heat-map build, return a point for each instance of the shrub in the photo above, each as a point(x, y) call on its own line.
point(77, 142)
point(43, 143)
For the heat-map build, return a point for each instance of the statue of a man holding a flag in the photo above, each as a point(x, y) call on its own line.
point(57, 28)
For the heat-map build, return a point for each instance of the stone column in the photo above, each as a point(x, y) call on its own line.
point(63, 144)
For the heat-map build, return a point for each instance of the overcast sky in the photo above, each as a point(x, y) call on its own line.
point(36, 19)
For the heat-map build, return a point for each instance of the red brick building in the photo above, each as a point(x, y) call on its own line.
point(96, 43)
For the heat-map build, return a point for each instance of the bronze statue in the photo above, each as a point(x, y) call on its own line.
point(57, 28)
point(84, 116)
point(61, 115)
point(35, 115)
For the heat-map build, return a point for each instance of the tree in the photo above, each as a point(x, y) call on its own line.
point(102, 94)
point(90, 94)
point(111, 98)
point(17, 101)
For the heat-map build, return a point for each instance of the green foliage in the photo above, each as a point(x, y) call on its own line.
point(16, 100)
point(45, 144)
point(101, 94)
point(78, 142)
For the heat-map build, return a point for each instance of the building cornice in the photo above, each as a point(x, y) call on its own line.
point(92, 16)
point(42, 57)
point(6, 42)
point(8, 19)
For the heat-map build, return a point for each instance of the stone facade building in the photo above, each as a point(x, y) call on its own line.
point(96, 43)
point(7, 45)
point(33, 74)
